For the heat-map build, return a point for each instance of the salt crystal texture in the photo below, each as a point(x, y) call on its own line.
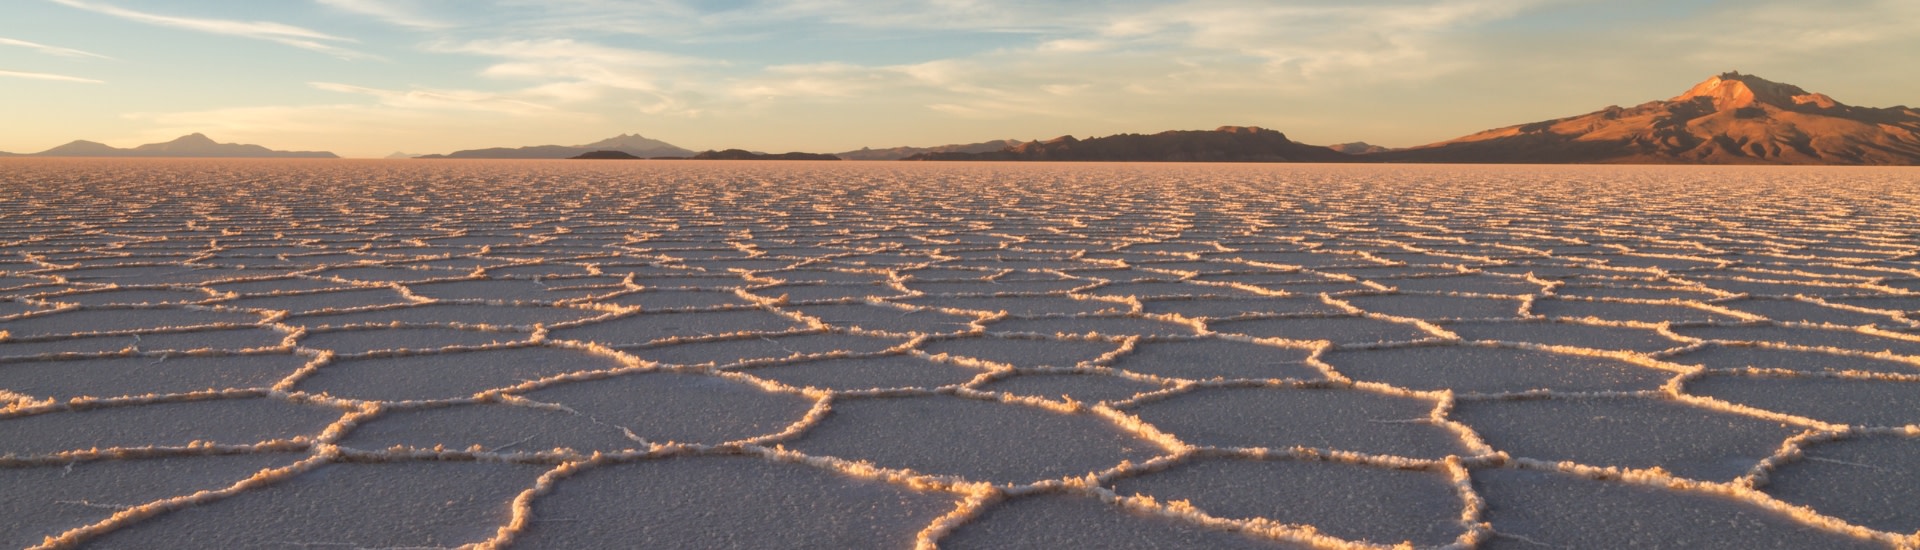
point(707, 355)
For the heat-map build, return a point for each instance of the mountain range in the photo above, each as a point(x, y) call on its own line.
point(1732, 118)
point(188, 146)
point(634, 144)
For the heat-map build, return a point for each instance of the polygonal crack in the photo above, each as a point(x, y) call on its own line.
point(727, 501)
point(1350, 501)
point(1336, 419)
point(1688, 441)
point(972, 438)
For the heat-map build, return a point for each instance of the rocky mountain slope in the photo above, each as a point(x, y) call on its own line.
point(1732, 118)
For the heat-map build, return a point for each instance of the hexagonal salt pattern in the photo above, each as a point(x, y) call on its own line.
point(667, 354)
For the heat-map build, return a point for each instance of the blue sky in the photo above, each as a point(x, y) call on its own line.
point(369, 77)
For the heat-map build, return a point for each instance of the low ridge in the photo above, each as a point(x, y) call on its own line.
point(1223, 144)
point(897, 153)
point(1358, 148)
point(742, 154)
point(605, 155)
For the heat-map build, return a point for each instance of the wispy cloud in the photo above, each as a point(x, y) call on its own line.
point(568, 50)
point(694, 21)
point(48, 76)
point(1016, 66)
point(997, 16)
point(1812, 29)
point(50, 50)
point(441, 99)
point(1005, 57)
point(282, 33)
point(1051, 59)
point(389, 11)
point(817, 80)
point(1311, 40)
point(569, 70)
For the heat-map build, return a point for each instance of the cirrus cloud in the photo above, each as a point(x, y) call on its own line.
point(298, 37)
point(48, 76)
point(50, 50)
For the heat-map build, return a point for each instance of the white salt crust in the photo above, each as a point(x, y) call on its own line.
point(1345, 308)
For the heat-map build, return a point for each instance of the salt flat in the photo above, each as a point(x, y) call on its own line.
point(710, 354)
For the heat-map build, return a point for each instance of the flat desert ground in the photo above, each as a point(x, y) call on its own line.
point(683, 354)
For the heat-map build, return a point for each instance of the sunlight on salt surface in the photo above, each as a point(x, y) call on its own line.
point(52, 498)
point(732, 501)
point(389, 505)
point(1381, 505)
point(919, 355)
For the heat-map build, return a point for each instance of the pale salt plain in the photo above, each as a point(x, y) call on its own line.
point(318, 354)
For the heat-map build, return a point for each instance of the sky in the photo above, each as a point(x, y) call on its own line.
point(365, 78)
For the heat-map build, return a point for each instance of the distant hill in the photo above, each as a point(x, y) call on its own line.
point(534, 152)
point(1223, 144)
point(635, 145)
point(399, 155)
point(84, 148)
point(1358, 148)
point(189, 146)
point(741, 154)
point(897, 153)
point(1728, 119)
point(604, 155)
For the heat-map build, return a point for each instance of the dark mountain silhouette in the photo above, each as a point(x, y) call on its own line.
point(1358, 148)
point(741, 154)
point(897, 153)
point(605, 155)
point(633, 144)
point(1728, 119)
point(1223, 144)
point(188, 146)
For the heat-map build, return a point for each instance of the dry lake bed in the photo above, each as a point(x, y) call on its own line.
point(683, 354)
